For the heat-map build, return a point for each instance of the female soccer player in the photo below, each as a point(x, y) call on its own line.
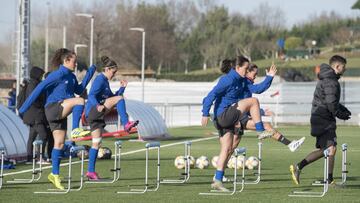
point(100, 102)
point(246, 120)
point(60, 87)
point(227, 112)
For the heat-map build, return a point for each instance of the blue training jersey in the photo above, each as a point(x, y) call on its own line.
point(258, 88)
point(227, 91)
point(99, 92)
point(59, 85)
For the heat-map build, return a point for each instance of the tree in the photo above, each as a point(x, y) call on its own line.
point(293, 43)
point(268, 18)
point(356, 5)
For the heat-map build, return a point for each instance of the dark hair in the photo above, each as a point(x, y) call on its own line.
point(59, 57)
point(107, 62)
point(252, 67)
point(240, 60)
point(36, 73)
point(337, 59)
point(226, 65)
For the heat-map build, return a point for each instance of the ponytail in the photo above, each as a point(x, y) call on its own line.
point(106, 62)
point(59, 57)
point(227, 65)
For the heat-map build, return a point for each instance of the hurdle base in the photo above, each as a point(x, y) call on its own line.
point(307, 194)
point(215, 192)
point(54, 191)
point(172, 181)
point(101, 180)
point(134, 191)
point(21, 181)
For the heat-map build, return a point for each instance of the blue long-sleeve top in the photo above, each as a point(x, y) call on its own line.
point(99, 91)
point(226, 92)
point(59, 85)
point(259, 88)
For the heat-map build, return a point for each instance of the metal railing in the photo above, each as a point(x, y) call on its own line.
point(189, 114)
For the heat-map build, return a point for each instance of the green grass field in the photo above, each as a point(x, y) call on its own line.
point(274, 186)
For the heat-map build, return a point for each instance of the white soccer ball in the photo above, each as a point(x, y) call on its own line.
point(192, 162)
point(214, 161)
point(202, 162)
point(240, 162)
point(252, 162)
point(231, 162)
point(179, 162)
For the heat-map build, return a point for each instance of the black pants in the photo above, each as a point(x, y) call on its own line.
point(44, 134)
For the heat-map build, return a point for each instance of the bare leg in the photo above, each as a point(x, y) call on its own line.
point(332, 152)
point(111, 102)
point(68, 105)
point(250, 105)
point(225, 149)
point(59, 138)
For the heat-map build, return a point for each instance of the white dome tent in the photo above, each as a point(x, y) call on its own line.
point(13, 134)
point(151, 126)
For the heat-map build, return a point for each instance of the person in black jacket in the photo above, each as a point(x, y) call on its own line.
point(325, 109)
point(35, 116)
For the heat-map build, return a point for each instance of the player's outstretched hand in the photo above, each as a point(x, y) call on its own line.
point(123, 83)
point(272, 70)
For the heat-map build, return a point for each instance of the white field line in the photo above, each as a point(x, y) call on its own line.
point(126, 153)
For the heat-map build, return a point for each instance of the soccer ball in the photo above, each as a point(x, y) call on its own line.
point(192, 162)
point(86, 152)
point(179, 162)
point(240, 162)
point(214, 161)
point(252, 162)
point(231, 162)
point(202, 162)
point(104, 153)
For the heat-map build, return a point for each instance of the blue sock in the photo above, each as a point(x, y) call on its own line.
point(259, 126)
point(77, 112)
point(219, 175)
point(121, 109)
point(92, 159)
point(56, 159)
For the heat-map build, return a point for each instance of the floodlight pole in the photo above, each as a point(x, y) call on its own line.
point(75, 50)
point(91, 33)
point(46, 65)
point(142, 61)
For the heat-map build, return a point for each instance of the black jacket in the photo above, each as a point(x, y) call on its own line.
point(325, 103)
point(36, 113)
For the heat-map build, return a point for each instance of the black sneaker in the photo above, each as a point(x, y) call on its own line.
point(295, 174)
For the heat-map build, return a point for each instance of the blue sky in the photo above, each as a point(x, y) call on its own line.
point(296, 11)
